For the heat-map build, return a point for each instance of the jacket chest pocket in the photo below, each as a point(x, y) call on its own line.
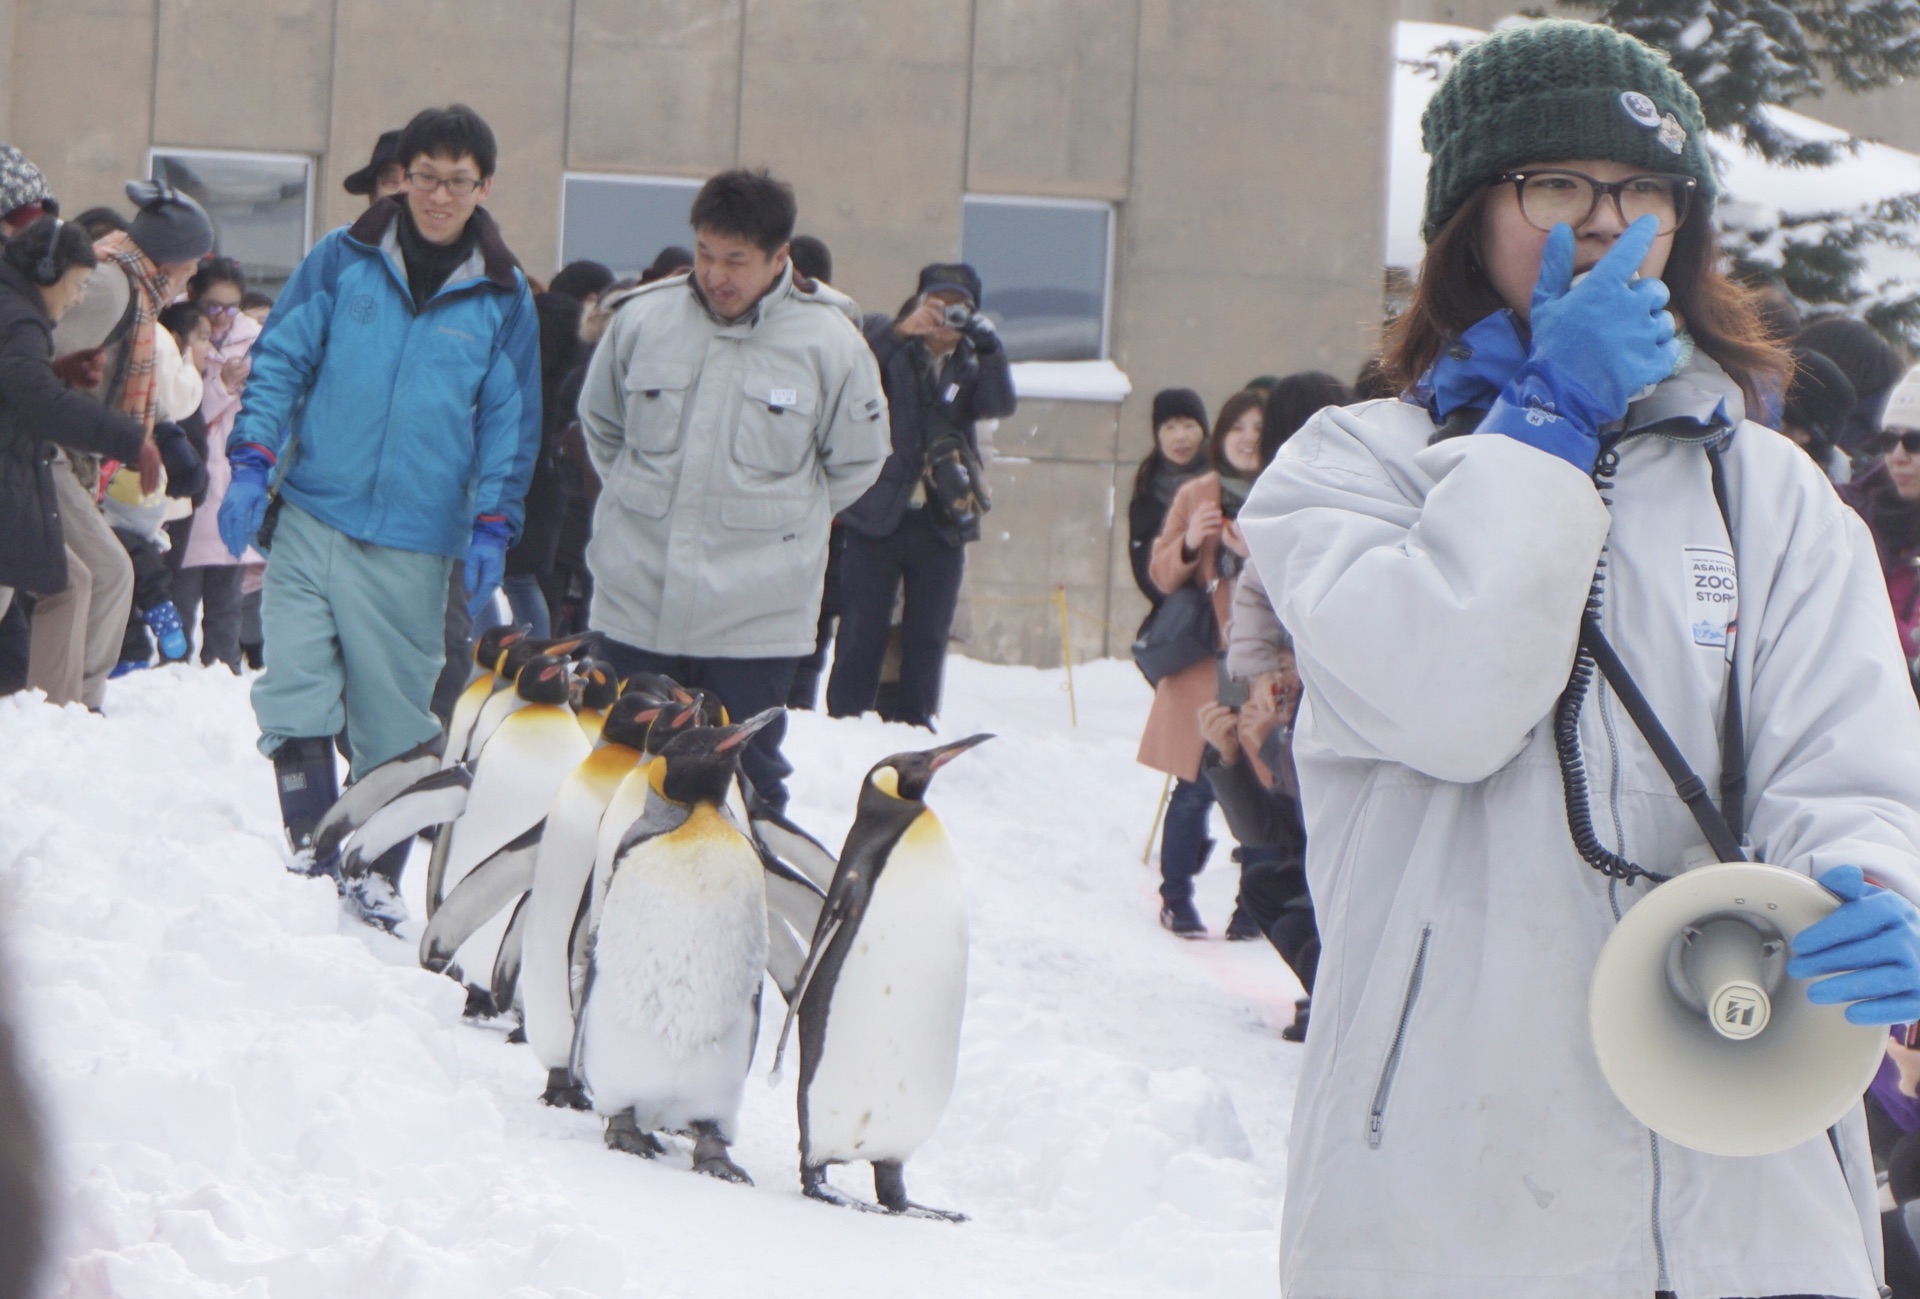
point(774, 432)
point(656, 402)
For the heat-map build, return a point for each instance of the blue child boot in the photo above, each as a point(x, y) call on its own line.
point(163, 620)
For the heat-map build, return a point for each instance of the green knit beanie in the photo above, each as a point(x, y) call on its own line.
point(1553, 91)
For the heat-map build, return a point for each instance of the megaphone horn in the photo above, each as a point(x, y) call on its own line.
point(1700, 1031)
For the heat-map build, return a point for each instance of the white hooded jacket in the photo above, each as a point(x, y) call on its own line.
point(1453, 1134)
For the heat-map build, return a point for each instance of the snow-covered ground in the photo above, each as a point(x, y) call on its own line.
point(251, 1096)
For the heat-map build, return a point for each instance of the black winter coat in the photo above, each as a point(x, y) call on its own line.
point(972, 386)
point(37, 413)
point(1147, 514)
point(561, 352)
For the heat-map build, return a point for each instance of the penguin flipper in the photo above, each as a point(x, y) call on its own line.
point(482, 892)
point(368, 795)
point(434, 801)
point(437, 867)
point(506, 962)
point(786, 957)
point(822, 940)
point(794, 846)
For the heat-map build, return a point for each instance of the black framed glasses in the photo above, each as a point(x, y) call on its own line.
point(1908, 442)
point(1551, 196)
point(425, 182)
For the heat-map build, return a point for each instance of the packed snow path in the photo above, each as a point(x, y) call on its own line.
point(252, 1096)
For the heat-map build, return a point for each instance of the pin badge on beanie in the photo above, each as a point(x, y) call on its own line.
point(1665, 126)
point(1640, 108)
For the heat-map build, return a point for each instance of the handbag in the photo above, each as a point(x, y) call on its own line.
point(1179, 633)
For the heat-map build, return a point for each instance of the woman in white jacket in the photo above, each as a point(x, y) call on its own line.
point(1558, 448)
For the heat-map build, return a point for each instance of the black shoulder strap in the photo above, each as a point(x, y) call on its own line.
point(1717, 823)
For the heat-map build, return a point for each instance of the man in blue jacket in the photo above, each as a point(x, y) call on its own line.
point(395, 398)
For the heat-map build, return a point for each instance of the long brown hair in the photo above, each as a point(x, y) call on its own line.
point(1247, 399)
point(1454, 294)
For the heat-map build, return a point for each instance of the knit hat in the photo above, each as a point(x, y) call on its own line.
point(951, 277)
point(22, 184)
point(169, 227)
point(1820, 397)
point(1903, 404)
point(1552, 91)
point(1178, 403)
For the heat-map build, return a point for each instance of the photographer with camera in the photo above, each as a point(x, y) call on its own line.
point(944, 368)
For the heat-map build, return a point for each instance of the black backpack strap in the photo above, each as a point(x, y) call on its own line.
point(1733, 731)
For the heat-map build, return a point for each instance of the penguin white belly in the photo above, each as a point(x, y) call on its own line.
point(527, 761)
point(560, 875)
point(466, 711)
point(892, 1040)
point(669, 1022)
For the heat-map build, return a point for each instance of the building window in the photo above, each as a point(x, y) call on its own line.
point(624, 221)
point(261, 205)
point(1046, 270)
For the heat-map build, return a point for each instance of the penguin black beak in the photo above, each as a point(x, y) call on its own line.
point(940, 757)
point(737, 736)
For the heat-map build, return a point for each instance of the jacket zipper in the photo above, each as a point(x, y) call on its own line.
point(1659, 1233)
point(1377, 1115)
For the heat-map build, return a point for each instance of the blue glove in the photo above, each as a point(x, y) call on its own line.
point(1871, 945)
point(486, 561)
point(245, 506)
point(1595, 345)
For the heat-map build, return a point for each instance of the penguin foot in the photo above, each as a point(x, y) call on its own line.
point(564, 1093)
point(890, 1188)
point(479, 1004)
point(519, 1035)
point(710, 1156)
point(624, 1135)
point(813, 1185)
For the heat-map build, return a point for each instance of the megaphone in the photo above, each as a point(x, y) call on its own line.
point(1703, 1035)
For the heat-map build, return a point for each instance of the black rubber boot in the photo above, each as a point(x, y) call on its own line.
point(304, 773)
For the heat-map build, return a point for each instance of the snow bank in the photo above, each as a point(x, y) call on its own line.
point(252, 1097)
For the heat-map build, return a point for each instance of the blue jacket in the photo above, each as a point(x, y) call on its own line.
point(411, 425)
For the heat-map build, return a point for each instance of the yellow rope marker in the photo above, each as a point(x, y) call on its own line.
point(1066, 652)
point(1159, 810)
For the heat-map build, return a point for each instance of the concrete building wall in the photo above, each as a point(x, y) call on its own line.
point(1240, 141)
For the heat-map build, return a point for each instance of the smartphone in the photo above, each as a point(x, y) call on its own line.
point(1230, 692)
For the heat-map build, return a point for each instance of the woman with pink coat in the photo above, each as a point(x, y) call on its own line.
point(1200, 544)
point(209, 575)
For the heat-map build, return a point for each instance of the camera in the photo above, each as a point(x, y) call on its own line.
point(957, 315)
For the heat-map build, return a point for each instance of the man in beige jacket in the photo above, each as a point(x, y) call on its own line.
point(731, 413)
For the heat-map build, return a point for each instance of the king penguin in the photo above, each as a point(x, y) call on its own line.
point(523, 765)
point(595, 687)
point(562, 870)
point(488, 654)
point(671, 1002)
point(884, 990)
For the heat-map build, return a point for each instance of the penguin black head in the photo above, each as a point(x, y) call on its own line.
point(650, 685)
point(544, 680)
point(629, 720)
point(595, 685)
point(569, 647)
point(493, 643)
point(905, 776)
point(676, 718)
point(702, 761)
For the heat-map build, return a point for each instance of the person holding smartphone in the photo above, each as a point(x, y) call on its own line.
point(1572, 441)
point(1199, 544)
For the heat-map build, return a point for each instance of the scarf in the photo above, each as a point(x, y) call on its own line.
point(1896, 521)
point(138, 398)
point(430, 265)
point(1167, 478)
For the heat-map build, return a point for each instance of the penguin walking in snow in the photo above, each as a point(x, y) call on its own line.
point(671, 1002)
point(884, 989)
point(522, 767)
point(556, 904)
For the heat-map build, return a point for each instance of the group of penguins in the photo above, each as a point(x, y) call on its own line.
point(600, 864)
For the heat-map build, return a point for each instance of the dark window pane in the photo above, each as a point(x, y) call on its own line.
point(625, 223)
point(258, 205)
point(1043, 270)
